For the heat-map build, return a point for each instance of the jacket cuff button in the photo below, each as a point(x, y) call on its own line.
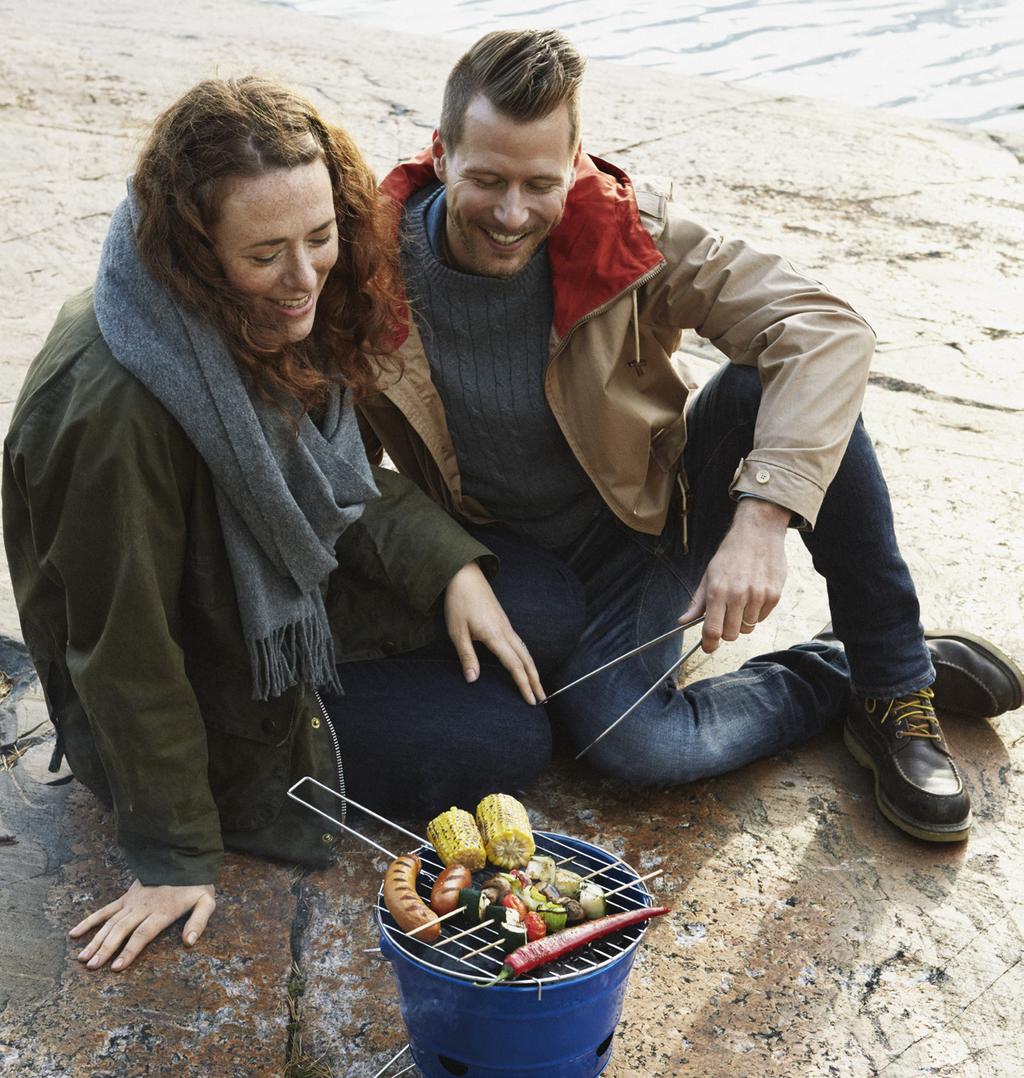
point(763, 475)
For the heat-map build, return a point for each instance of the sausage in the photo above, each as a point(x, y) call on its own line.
point(444, 895)
point(402, 901)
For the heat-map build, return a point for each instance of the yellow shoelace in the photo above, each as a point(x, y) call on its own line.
point(915, 709)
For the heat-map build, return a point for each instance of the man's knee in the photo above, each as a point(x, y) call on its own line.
point(544, 601)
point(733, 387)
point(661, 751)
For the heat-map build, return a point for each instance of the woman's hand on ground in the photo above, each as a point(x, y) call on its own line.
point(138, 917)
point(744, 580)
point(472, 612)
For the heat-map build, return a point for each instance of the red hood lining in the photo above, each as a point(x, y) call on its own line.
point(598, 249)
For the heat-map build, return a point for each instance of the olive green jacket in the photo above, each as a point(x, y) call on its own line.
point(129, 611)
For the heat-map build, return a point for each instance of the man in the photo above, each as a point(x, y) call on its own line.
point(539, 401)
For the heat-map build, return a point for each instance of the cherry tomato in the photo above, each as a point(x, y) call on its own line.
point(514, 902)
point(535, 927)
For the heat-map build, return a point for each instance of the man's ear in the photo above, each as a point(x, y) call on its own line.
point(437, 151)
point(575, 163)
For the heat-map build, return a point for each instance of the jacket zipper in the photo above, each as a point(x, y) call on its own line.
point(337, 751)
point(632, 287)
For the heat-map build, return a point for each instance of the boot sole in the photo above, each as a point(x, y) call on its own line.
point(1000, 658)
point(953, 833)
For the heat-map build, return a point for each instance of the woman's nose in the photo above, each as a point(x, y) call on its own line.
point(301, 273)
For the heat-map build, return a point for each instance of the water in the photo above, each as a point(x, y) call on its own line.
point(956, 60)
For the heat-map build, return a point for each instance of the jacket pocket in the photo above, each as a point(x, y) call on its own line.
point(249, 747)
point(667, 444)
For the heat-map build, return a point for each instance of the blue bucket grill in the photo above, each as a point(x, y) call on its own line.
point(559, 1022)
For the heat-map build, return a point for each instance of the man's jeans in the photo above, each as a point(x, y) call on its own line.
point(415, 737)
point(636, 586)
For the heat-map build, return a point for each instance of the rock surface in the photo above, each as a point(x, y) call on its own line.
point(808, 937)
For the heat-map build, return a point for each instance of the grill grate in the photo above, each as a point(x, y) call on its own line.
point(453, 958)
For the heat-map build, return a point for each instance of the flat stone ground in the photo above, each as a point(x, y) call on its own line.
point(808, 937)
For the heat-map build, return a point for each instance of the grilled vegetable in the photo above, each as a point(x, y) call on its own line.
point(568, 882)
point(555, 916)
point(532, 898)
point(550, 892)
point(520, 875)
point(497, 913)
point(545, 950)
point(455, 836)
point(402, 901)
point(536, 929)
point(505, 829)
point(592, 901)
point(542, 869)
point(513, 936)
point(498, 883)
point(472, 905)
point(445, 893)
point(573, 910)
point(514, 902)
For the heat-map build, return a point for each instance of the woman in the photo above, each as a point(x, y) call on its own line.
point(196, 539)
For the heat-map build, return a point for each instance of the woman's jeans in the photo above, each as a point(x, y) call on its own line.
point(417, 738)
point(415, 734)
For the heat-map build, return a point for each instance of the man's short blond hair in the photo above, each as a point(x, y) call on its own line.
point(525, 74)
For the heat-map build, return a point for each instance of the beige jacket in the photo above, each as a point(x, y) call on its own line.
point(630, 272)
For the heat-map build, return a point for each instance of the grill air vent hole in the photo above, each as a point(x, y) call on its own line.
point(604, 1045)
point(453, 1066)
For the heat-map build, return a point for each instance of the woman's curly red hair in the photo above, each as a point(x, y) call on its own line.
point(245, 127)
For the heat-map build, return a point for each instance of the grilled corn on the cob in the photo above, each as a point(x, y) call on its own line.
point(455, 836)
point(505, 829)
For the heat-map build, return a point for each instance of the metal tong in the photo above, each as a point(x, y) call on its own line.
point(622, 658)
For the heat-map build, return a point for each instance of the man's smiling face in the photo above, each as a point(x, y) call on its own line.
point(506, 184)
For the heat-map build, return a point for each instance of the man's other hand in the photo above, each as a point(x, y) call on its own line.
point(743, 582)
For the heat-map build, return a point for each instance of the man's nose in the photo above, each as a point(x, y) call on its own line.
point(512, 211)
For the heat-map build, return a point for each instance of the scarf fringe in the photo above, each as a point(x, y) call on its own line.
point(302, 651)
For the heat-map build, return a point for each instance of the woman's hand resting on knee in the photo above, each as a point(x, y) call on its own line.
point(138, 917)
point(472, 612)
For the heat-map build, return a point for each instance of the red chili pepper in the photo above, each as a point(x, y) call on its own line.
point(541, 951)
point(514, 902)
point(536, 929)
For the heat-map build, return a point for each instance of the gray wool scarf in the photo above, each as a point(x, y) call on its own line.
point(282, 500)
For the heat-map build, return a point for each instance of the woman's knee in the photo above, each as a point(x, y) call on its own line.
point(450, 745)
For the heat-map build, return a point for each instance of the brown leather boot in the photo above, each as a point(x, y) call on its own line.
point(973, 678)
point(917, 784)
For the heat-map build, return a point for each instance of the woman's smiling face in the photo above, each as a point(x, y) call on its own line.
point(277, 240)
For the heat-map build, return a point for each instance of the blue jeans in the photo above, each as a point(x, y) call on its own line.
point(637, 585)
point(416, 738)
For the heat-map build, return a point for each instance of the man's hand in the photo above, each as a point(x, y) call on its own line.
point(139, 916)
point(744, 580)
point(472, 612)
